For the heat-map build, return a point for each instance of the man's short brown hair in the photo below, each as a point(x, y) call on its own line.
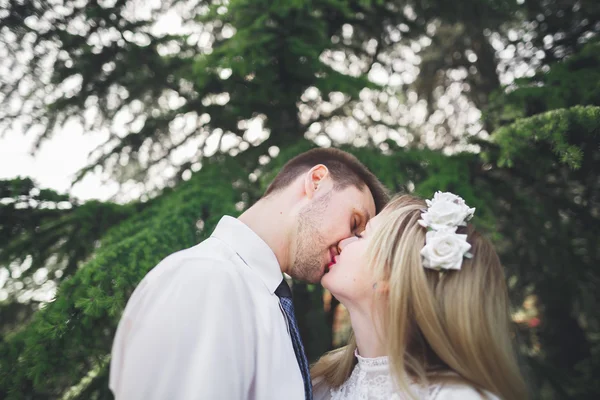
point(345, 169)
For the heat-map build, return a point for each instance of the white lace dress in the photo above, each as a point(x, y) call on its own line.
point(371, 380)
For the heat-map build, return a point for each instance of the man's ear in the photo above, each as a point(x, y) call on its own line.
point(314, 178)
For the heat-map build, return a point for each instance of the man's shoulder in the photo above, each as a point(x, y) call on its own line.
point(210, 249)
point(205, 255)
point(208, 260)
point(192, 276)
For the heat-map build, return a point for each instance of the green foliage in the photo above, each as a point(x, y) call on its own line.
point(534, 183)
point(552, 127)
point(72, 335)
point(547, 139)
point(567, 84)
point(258, 59)
point(49, 233)
point(561, 28)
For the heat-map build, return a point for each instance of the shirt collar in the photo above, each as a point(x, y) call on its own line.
point(251, 249)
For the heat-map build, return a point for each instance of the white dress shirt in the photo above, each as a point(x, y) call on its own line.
point(205, 324)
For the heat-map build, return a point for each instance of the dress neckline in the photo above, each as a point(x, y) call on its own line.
point(371, 363)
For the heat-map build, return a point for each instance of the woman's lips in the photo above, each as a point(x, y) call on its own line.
point(332, 263)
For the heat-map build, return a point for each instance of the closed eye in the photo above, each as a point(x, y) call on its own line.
point(355, 230)
point(361, 234)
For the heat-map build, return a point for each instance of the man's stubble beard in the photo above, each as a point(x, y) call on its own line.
point(310, 243)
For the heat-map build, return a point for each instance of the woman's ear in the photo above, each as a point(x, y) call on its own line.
point(314, 178)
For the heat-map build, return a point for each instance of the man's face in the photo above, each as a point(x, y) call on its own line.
point(328, 219)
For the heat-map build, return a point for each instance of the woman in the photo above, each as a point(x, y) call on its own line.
point(428, 303)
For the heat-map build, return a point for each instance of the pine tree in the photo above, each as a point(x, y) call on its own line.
point(534, 181)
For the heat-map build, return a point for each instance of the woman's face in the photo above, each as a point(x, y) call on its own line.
point(349, 279)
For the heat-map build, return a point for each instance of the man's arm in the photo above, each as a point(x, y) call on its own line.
point(188, 335)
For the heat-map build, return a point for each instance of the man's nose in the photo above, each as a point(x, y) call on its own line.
point(346, 242)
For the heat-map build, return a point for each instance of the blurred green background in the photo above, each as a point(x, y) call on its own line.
point(201, 102)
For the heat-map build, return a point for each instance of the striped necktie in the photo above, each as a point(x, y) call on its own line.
point(285, 298)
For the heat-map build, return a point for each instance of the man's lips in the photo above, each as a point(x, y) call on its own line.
point(332, 256)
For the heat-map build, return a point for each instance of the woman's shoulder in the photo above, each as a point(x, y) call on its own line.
point(321, 390)
point(461, 391)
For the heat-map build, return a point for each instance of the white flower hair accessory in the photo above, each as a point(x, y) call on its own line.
point(444, 248)
point(446, 210)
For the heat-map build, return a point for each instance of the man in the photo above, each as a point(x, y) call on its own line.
point(215, 321)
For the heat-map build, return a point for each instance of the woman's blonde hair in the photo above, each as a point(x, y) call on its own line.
point(435, 322)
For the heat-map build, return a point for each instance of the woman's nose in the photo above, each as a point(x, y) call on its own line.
point(346, 242)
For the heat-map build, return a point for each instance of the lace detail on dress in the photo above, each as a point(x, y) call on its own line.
point(371, 362)
point(371, 380)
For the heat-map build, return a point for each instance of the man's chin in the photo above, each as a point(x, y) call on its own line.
point(322, 273)
point(314, 276)
point(315, 279)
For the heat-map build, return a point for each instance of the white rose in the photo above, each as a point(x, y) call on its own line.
point(445, 210)
point(444, 249)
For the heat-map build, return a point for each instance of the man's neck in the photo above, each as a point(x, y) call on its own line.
point(367, 332)
point(267, 220)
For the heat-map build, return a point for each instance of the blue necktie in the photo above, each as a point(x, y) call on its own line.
point(285, 298)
